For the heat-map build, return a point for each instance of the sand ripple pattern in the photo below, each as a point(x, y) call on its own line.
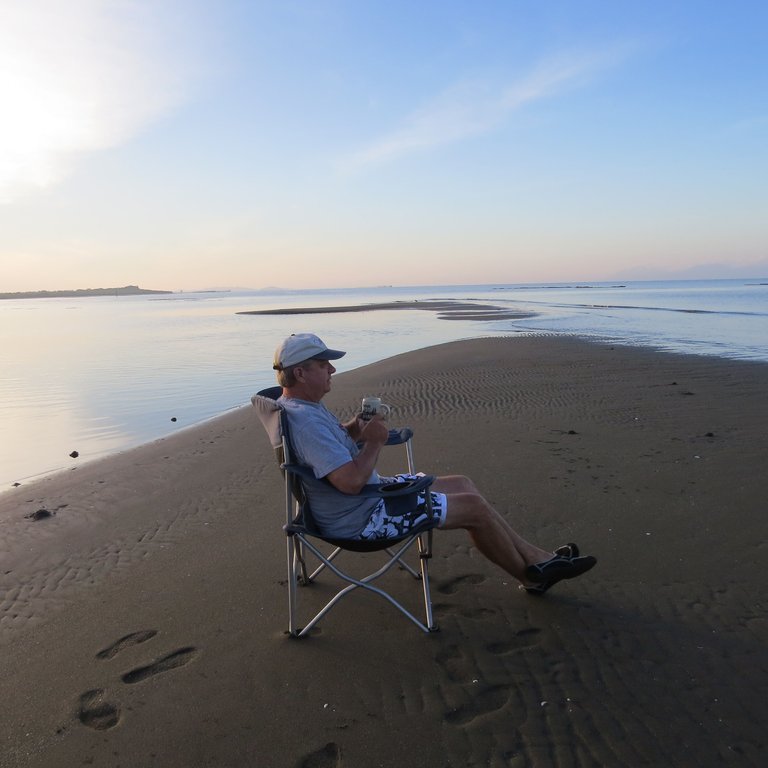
point(48, 564)
point(476, 394)
point(587, 687)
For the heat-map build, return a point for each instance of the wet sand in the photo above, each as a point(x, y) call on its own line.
point(142, 619)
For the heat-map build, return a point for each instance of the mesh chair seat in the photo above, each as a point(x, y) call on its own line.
point(303, 534)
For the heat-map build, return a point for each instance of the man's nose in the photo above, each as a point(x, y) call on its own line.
point(331, 369)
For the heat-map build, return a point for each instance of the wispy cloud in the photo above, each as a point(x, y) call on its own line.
point(77, 77)
point(471, 108)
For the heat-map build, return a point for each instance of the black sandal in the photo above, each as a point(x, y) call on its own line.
point(566, 564)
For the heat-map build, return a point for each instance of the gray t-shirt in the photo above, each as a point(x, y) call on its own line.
point(321, 443)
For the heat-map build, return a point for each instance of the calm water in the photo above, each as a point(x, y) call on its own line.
point(98, 375)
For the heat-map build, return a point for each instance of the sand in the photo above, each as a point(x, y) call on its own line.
point(447, 309)
point(142, 621)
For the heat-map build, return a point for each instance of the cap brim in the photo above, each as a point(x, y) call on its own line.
point(329, 354)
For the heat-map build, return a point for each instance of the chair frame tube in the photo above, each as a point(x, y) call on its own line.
point(364, 583)
point(297, 569)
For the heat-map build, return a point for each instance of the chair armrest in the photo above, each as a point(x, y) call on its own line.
point(372, 490)
point(407, 487)
point(399, 436)
point(396, 436)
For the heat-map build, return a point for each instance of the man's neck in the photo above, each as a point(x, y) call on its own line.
point(298, 393)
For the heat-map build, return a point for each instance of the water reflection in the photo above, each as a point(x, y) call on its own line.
point(98, 375)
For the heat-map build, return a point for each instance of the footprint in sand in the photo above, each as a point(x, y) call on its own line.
point(455, 663)
point(488, 700)
point(454, 585)
point(97, 713)
point(524, 638)
point(135, 638)
point(470, 612)
point(327, 757)
point(172, 661)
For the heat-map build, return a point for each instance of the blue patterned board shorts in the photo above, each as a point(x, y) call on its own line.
point(383, 526)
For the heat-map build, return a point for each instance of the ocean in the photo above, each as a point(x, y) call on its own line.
point(96, 375)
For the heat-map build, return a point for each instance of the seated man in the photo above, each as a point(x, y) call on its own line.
point(346, 454)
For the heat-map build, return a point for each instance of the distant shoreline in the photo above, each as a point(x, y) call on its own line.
point(126, 290)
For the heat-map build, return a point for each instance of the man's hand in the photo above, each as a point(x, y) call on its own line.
point(373, 431)
point(351, 477)
point(353, 427)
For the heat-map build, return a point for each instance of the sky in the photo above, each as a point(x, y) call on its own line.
point(196, 144)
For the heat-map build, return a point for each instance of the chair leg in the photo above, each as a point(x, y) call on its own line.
point(366, 584)
point(425, 553)
point(292, 556)
point(300, 565)
point(323, 565)
point(403, 565)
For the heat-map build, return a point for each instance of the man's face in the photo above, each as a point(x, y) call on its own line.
point(316, 378)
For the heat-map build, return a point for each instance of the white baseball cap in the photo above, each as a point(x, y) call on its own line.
point(303, 346)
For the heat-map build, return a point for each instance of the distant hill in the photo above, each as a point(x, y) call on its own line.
point(126, 290)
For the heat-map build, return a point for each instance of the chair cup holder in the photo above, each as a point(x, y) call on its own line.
point(400, 486)
point(396, 500)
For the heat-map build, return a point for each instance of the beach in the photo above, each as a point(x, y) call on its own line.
point(144, 601)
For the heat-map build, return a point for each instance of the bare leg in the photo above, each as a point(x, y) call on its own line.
point(489, 531)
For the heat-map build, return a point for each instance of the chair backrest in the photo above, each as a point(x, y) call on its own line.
point(275, 421)
point(268, 411)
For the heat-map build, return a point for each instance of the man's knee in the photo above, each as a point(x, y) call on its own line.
point(468, 510)
point(456, 484)
point(469, 485)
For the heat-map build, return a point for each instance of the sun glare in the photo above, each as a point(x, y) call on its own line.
point(74, 78)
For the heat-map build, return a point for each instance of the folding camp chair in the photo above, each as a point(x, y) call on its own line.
point(302, 532)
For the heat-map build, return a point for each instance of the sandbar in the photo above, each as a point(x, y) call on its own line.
point(449, 309)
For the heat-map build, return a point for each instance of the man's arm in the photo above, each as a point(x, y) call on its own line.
point(352, 476)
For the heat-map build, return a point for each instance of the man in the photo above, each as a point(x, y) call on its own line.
point(345, 456)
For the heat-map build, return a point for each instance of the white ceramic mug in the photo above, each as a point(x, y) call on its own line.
point(373, 406)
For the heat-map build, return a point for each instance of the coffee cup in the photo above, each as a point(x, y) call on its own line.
point(372, 406)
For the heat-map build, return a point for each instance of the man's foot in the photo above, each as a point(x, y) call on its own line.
point(566, 550)
point(566, 564)
point(559, 567)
